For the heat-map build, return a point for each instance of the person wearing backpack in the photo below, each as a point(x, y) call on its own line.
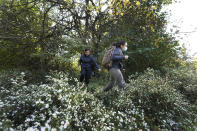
point(87, 64)
point(112, 60)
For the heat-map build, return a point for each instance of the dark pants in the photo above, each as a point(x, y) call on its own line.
point(86, 73)
point(115, 77)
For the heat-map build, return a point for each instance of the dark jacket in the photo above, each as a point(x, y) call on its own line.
point(87, 62)
point(117, 58)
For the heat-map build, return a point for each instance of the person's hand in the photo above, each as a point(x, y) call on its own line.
point(126, 57)
point(99, 70)
point(79, 67)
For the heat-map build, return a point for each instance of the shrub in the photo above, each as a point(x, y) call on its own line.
point(56, 104)
point(185, 80)
point(162, 105)
point(148, 103)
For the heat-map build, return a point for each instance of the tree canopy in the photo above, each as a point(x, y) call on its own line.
point(32, 32)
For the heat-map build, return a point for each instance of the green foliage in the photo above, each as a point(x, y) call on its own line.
point(35, 31)
point(185, 80)
point(50, 35)
point(15, 44)
point(148, 103)
point(27, 37)
point(57, 105)
point(142, 25)
point(162, 103)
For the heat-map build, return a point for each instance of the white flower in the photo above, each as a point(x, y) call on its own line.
point(47, 106)
point(22, 73)
point(54, 115)
point(62, 122)
point(66, 124)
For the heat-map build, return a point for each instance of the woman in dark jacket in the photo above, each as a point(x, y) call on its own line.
point(115, 70)
point(87, 62)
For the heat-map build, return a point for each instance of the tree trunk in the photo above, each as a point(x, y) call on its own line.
point(96, 50)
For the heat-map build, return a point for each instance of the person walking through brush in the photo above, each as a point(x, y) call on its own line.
point(87, 63)
point(112, 60)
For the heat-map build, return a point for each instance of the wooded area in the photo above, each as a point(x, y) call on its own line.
point(41, 42)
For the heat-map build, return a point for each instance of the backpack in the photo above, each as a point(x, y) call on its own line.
point(107, 58)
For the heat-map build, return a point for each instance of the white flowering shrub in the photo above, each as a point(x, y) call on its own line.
point(157, 103)
point(162, 103)
point(148, 103)
point(56, 104)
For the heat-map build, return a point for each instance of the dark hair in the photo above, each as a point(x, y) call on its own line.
point(87, 49)
point(118, 44)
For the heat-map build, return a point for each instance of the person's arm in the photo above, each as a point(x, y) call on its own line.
point(79, 62)
point(116, 55)
point(95, 63)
